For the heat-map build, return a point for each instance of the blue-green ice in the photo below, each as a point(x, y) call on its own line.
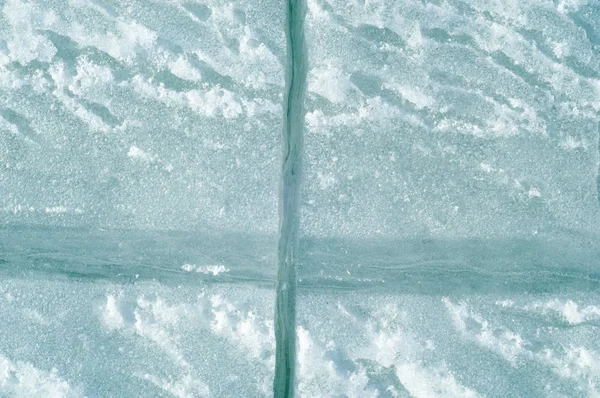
point(326, 198)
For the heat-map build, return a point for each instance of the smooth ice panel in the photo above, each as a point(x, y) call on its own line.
point(141, 114)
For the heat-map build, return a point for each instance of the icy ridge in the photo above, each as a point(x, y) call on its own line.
point(285, 316)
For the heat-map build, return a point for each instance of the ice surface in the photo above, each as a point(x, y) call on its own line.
point(452, 119)
point(506, 345)
point(451, 150)
point(145, 340)
point(449, 216)
point(141, 114)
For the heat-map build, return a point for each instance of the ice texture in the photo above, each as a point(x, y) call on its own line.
point(425, 346)
point(143, 340)
point(446, 210)
point(452, 119)
point(141, 114)
point(450, 163)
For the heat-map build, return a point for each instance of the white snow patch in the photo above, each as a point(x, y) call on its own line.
point(571, 362)
point(422, 383)
point(566, 6)
point(572, 143)
point(185, 387)
point(486, 167)
point(56, 210)
point(413, 94)
point(214, 102)
point(329, 82)
point(138, 154)
point(534, 192)
point(503, 342)
point(63, 80)
point(568, 310)
point(23, 380)
point(205, 269)
point(90, 76)
point(26, 45)
point(182, 69)
point(327, 366)
point(162, 325)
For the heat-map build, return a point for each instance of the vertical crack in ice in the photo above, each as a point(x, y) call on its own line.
point(598, 164)
point(293, 113)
